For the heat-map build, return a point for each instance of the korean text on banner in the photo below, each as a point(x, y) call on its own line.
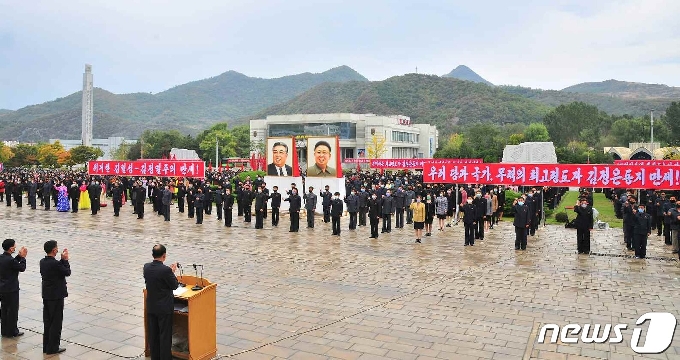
point(164, 168)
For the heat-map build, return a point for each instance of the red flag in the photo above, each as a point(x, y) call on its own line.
point(338, 160)
point(358, 167)
point(243, 166)
point(173, 157)
point(296, 165)
point(253, 163)
point(210, 166)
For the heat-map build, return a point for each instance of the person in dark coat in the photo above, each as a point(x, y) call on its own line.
point(32, 192)
point(94, 191)
point(74, 194)
point(336, 213)
point(326, 198)
point(181, 193)
point(374, 213)
point(275, 197)
point(659, 207)
point(160, 282)
point(247, 197)
point(10, 267)
point(522, 222)
point(628, 210)
point(310, 206)
point(295, 205)
point(157, 198)
point(47, 191)
point(199, 200)
point(191, 196)
point(387, 209)
point(584, 225)
point(668, 220)
point(117, 198)
point(18, 193)
point(140, 200)
point(54, 273)
point(641, 231)
point(228, 205)
point(470, 221)
point(399, 205)
point(363, 205)
point(208, 199)
point(260, 208)
point(9, 190)
point(480, 207)
point(218, 196)
point(166, 199)
point(352, 202)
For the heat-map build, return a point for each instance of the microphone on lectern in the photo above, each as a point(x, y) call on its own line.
point(181, 275)
point(198, 287)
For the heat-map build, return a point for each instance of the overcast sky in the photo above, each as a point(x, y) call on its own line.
point(152, 45)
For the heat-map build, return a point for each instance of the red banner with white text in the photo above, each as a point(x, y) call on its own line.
point(556, 175)
point(164, 168)
point(417, 163)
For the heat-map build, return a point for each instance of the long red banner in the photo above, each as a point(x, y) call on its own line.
point(165, 168)
point(648, 162)
point(561, 175)
point(418, 163)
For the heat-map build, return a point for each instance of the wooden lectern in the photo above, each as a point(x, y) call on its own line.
point(196, 312)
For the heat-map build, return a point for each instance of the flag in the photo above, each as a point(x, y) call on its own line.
point(338, 160)
point(210, 166)
point(296, 164)
point(358, 167)
point(174, 157)
point(253, 163)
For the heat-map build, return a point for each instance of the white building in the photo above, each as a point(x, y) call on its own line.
point(403, 138)
point(108, 146)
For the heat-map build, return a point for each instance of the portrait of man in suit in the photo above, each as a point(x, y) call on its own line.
point(278, 166)
point(322, 156)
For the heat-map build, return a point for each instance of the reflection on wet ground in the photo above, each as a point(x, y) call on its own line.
point(310, 295)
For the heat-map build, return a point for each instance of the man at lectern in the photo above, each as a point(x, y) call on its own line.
point(160, 282)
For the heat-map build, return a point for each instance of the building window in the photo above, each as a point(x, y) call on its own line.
point(348, 153)
point(345, 130)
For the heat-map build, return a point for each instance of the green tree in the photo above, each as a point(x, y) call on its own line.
point(536, 132)
point(82, 154)
point(516, 139)
point(5, 153)
point(24, 154)
point(241, 135)
point(576, 121)
point(156, 144)
point(226, 147)
point(50, 154)
point(672, 123)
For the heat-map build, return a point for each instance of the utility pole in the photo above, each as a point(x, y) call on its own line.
point(217, 145)
point(652, 128)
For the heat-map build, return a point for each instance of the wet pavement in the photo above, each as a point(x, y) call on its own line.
point(310, 295)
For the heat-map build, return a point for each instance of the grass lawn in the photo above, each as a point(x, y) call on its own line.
point(603, 205)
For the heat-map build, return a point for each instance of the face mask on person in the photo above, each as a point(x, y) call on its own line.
point(641, 209)
point(530, 194)
point(478, 195)
point(520, 203)
point(374, 197)
point(336, 197)
point(387, 194)
point(259, 190)
point(363, 190)
point(418, 200)
point(469, 201)
point(584, 205)
point(294, 192)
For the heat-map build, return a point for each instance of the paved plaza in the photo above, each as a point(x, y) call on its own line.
point(310, 295)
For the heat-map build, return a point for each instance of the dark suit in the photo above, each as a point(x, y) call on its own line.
point(117, 193)
point(469, 220)
point(522, 222)
point(584, 223)
point(276, 204)
point(310, 206)
point(199, 199)
point(228, 205)
point(641, 230)
point(54, 273)
point(374, 215)
point(336, 212)
point(294, 210)
point(140, 199)
point(272, 170)
point(166, 200)
point(160, 282)
point(10, 267)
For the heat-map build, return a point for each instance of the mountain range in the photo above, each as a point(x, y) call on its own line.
point(460, 97)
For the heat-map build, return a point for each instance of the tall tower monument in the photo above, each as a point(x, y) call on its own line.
point(87, 106)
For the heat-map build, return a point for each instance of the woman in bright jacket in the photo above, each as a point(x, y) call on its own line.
point(418, 209)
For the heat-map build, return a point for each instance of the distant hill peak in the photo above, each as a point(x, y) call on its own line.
point(462, 72)
point(625, 89)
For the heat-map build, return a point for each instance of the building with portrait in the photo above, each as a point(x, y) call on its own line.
point(399, 137)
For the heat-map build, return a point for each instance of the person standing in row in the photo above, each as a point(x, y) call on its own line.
point(363, 205)
point(310, 206)
point(140, 199)
point(10, 267)
point(352, 202)
point(275, 196)
point(54, 291)
point(117, 193)
point(228, 206)
point(32, 192)
point(584, 225)
point(218, 195)
point(642, 230)
point(294, 209)
point(469, 221)
point(522, 222)
point(387, 207)
point(160, 282)
point(181, 193)
point(326, 198)
point(191, 196)
point(74, 194)
point(199, 200)
point(399, 205)
point(374, 213)
point(417, 211)
point(260, 208)
point(336, 213)
point(166, 199)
